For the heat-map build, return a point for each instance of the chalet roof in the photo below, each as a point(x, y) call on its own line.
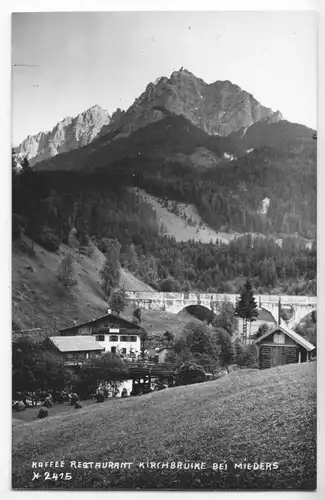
point(112, 317)
point(76, 343)
point(293, 335)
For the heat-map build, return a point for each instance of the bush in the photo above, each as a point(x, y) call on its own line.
point(249, 357)
point(43, 412)
point(189, 373)
point(78, 405)
point(170, 285)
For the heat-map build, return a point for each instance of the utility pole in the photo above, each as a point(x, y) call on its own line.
point(279, 312)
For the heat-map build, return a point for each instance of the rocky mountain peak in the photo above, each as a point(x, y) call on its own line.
point(218, 108)
point(68, 134)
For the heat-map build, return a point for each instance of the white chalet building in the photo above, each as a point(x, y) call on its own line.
point(114, 333)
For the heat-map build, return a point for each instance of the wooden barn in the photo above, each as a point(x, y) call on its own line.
point(281, 346)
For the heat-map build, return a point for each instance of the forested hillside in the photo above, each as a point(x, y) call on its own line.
point(50, 206)
point(228, 196)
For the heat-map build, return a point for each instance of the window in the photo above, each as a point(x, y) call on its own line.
point(278, 338)
point(113, 338)
point(123, 350)
point(133, 338)
point(113, 349)
point(124, 338)
point(101, 338)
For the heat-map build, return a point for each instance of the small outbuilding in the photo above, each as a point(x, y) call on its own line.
point(75, 349)
point(281, 346)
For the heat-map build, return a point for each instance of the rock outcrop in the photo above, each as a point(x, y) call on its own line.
point(68, 134)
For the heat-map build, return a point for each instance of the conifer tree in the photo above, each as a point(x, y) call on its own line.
point(66, 271)
point(110, 272)
point(246, 307)
point(137, 315)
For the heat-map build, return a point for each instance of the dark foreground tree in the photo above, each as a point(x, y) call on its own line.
point(201, 343)
point(34, 367)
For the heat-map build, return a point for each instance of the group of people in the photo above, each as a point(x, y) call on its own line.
point(104, 390)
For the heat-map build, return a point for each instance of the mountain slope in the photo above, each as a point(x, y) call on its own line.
point(273, 134)
point(68, 134)
point(37, 300)
point(172, 138)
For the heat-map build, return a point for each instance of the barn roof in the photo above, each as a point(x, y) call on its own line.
point(293, 335)
point(76, 343)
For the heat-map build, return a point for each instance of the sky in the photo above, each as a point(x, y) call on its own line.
point(108, 58)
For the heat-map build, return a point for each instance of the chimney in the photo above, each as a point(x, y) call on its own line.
point(109, 311)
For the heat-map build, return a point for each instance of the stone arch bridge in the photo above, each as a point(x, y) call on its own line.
point(299, 306)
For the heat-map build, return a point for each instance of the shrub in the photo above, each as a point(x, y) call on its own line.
point(249, 357)
point(43, 412)
point(170, 285)
point(78, 405)
point(189, 373)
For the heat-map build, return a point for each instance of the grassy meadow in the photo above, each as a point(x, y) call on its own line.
point(249, 416)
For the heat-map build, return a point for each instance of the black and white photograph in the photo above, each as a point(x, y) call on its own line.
point(164, 250)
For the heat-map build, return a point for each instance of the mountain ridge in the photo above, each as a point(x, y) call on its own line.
point(219, 109)
point(68, 134)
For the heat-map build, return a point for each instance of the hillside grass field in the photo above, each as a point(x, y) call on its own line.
point(248, 416)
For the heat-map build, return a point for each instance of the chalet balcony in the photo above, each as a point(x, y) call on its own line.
point(122, 331)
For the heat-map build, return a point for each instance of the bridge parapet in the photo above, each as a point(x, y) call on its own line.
point(175, 302)
point(216, 297)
